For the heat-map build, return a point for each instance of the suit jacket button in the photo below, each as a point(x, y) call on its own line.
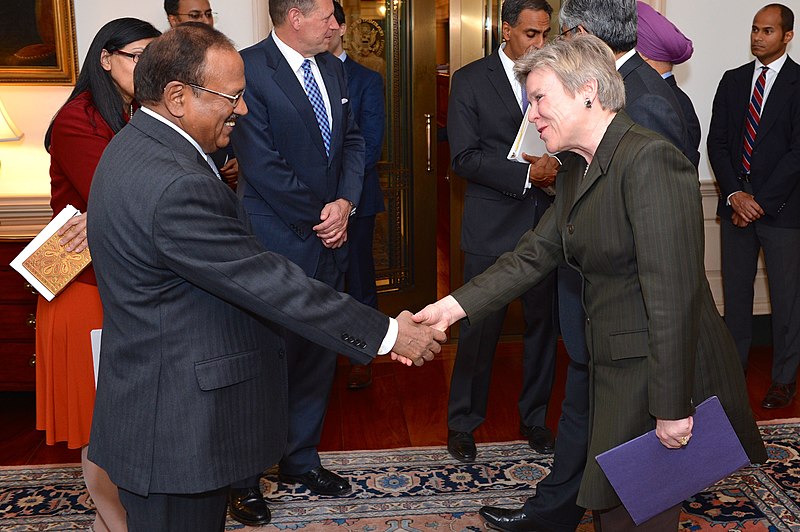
point(570, 228)
point(362, 345)
point(345, 337)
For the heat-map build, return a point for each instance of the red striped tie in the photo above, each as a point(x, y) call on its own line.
point(753, 117)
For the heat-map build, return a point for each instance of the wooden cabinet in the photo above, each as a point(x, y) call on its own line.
point(17, 322)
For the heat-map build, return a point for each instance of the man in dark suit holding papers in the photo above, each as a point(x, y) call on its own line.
point(503, 199)
point(192, 390)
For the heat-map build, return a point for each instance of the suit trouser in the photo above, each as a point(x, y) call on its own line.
point(311, 371)
point(472, 370)
point(740, 249)
point(554, 505)
point(201, 512)
point(360, 274)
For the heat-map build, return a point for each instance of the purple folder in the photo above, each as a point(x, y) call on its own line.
point(650, 478)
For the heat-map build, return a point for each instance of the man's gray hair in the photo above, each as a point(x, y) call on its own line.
point(613, 21)
point(278, 9)
point(575, 62)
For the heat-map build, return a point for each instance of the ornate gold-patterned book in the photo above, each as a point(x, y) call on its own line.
point(46, 264)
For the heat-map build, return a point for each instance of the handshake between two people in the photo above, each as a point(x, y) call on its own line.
point(420, 335)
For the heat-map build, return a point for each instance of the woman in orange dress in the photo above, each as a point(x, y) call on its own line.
point(101, 104)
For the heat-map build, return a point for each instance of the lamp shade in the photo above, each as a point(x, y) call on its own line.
point(8, 131)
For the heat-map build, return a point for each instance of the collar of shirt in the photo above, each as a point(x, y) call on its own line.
point(508, 66)
point(622, 60)
point(184, 134)
point(342, 57)
point(295, 60)
point(666, 75)
point(774, 69)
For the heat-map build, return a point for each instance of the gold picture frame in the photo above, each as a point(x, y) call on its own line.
point(37, 42)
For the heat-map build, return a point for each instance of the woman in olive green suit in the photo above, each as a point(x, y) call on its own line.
point(628, 216)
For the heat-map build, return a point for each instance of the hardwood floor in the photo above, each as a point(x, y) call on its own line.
point(404, 407)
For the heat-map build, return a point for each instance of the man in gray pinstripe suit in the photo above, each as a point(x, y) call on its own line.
point(192, 383)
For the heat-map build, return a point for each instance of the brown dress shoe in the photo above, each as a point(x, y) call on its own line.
point(779, 395)
point(360, 376)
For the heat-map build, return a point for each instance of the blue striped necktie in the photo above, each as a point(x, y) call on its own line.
point(524, 100)
point(318, 104)
point(753, 118)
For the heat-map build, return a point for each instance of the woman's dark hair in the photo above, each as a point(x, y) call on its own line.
point(115, 35)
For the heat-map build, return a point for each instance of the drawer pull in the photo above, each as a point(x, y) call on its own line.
point(31, 321)
point(31, 289)
point(32, 361)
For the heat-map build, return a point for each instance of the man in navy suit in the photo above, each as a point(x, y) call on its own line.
point(759, 204)
point(365, 88)
point(301, 164)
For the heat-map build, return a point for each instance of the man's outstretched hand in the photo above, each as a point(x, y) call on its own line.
point(416, 343)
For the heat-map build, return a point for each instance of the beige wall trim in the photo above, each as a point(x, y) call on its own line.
point(23, 217)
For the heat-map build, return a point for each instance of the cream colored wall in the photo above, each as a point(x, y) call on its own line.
point(24, 165)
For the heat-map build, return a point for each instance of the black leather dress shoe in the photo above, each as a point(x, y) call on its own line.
point(320, 481)
point(248, 506)
point(540, 439)
point(461, 446)
point(779, 395)
point(508, 519)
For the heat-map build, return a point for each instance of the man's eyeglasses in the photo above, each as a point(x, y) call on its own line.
point(134, 57)
point(197, 15)
point(234, 100)
point(567, 32)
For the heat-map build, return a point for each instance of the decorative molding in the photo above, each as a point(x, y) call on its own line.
point(23, 216)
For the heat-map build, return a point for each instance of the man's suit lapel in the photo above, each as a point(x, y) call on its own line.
point(782, 90)
point(287, 81)
point(335, 96)
point(497, 77)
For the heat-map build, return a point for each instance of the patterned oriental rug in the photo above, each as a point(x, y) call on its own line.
point(423, 489)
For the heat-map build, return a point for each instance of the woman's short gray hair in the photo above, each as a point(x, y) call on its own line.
point(575, 61)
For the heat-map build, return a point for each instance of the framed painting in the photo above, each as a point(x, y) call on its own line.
point(37, 42)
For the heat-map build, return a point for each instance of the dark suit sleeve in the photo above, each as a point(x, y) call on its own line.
point(199, 236)
point(466, 114)
point(666, 219)
point(719, 132)
point(783, 181)
point(351, 180)
point(371, 119)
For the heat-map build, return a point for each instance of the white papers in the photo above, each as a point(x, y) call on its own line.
point(527, 141)
point(55, 224)
point(96, 333)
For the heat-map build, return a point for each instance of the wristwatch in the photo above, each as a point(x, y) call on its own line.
point(352, 208)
